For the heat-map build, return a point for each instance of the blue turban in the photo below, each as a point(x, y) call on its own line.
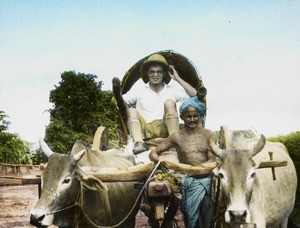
point(195, 103)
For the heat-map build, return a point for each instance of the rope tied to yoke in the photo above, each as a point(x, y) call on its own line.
point(133, 207)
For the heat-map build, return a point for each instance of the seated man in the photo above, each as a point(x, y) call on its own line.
point(151, 106)
point(192, 148)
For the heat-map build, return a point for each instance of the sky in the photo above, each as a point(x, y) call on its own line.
point(246, 52)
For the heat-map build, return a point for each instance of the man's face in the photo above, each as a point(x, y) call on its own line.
point(191, 117)
point(155, 74)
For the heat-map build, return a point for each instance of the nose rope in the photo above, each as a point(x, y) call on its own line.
point(65, 208)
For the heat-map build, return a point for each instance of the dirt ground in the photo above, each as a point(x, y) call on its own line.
point(15, 205)
point(16, 202)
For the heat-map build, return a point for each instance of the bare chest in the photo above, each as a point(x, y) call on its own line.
point(194, 143)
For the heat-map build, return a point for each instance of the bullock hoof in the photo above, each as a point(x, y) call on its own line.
point(139, 147)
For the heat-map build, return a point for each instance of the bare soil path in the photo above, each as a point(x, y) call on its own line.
point(15, 205)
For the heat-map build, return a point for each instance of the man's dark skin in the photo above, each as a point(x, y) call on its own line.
point(191, 144)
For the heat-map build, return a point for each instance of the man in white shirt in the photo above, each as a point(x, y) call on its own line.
point(151, 105)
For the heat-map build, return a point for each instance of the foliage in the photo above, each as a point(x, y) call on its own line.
point(3, 123)
point(175, 179)
point(292, 143)
point(13, 150)
point(80, 107)
point(38, 157)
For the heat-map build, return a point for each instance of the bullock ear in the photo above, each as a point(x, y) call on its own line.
point(256, 164)
point(91, 182)
point(259, 145)
point(78, 156)
point(78, 146)
point(215, 150)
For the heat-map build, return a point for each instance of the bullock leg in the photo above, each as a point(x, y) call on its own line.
point(285, 224)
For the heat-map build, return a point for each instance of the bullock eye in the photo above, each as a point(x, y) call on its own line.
point(251, 175)
point(67, 180)
point(221, 175)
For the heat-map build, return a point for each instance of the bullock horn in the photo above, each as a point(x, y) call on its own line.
point(78, 156)
point(45, 148)
point(213, 147)
point(97, 138)
point(259, 145)
point(225, 138)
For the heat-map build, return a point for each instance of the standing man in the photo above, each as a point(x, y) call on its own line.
point(192, 148)
point(151, 106)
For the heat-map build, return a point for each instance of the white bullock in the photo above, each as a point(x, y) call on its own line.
point(250, 196)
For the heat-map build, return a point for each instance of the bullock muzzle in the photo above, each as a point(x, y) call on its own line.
point(237, 216)
point(39, 219)
point(36, 221)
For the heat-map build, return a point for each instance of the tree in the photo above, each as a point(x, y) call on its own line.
point(80, 107)
point(12, 148)
point(292, 143)
point(3, 123)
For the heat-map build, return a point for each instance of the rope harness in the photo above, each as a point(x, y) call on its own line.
point(133, 207)
point(217, 195)
point(66, 208)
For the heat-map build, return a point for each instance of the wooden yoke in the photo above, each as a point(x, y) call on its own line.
point(133, 173)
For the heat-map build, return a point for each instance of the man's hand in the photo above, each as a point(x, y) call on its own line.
point(190, 90)
point(154, 156)
point(173, 73)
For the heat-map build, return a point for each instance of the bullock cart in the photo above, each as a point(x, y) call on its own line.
point(160, 193)
point(157, 191)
